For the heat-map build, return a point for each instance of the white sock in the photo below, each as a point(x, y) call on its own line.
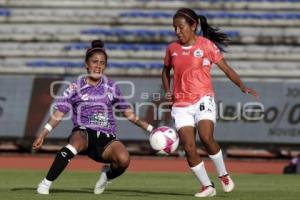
point(72, 149)
point(219, 163)
point(47, 182)
point(200, 172)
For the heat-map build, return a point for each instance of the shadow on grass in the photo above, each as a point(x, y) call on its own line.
point(129, 192)
point(81, 191)
point(136, 192)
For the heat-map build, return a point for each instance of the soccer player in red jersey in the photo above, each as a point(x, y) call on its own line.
point(191, 58)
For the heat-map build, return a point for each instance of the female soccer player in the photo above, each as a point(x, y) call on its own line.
point(191, 58)
point(91, 99)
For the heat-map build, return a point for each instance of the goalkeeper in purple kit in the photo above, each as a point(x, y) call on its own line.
point(92, 100)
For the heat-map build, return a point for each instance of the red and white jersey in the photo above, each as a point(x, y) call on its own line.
point(191, 66)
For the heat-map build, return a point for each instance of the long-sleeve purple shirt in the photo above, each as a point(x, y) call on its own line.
point(93, 106)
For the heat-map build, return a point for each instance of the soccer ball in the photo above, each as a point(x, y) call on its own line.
point(164, 140)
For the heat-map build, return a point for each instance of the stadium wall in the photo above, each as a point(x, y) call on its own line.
point(274, 118)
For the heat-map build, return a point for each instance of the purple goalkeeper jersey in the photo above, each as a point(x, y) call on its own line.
point(93, 106)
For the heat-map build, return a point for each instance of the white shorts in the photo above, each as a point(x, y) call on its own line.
point(204, 109)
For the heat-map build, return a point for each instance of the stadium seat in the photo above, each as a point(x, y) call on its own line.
point(38, 34)
point(4, 12)
point(214, 14)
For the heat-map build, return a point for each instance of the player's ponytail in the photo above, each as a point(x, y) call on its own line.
point(96, 46)
point(214, 34)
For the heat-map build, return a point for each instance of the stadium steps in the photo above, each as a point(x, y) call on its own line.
point(153, 4)
point(141, 51)
point(44, 28)
point(60, 32)
point(142, 67)
point(153, 17)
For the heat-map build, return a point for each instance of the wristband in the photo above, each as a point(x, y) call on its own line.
point(48, 127)
point(150, 128)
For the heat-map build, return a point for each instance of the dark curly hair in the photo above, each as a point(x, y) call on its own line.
point(214, 34)
point(96, 46)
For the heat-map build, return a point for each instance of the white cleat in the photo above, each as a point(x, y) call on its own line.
point(102, 182)
point(227, 183)
point(43, 187)
point(207, 191)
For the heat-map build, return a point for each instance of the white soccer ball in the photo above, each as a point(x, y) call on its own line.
point(164, 139)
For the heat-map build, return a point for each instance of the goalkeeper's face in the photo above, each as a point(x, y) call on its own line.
point(96, 65)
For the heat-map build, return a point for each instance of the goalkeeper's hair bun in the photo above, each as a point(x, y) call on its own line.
point(97, 44)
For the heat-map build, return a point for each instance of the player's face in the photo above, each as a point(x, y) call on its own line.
point(184, 32)
point(96, 65)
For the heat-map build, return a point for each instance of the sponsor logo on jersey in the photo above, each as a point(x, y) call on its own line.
point(110, 96)
point(206, 61)
point(198, 53)
point(99, 119)
point(85, 97)
point(63, 154)
point(209, 110)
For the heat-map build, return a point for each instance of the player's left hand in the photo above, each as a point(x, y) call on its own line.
point(250, 91)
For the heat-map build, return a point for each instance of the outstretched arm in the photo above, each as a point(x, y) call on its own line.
point(235, 78)
point(132, 117)
point(52, 123)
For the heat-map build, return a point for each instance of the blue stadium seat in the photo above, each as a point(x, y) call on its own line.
point(139, 32)
point(76, 46)
point(5, 12)
point(45, 63)
point(157, 14)
point(119, 46)
point(80, 64)
point(216, 14)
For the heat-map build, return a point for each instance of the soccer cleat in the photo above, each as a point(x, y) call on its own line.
point(207, 191)
point(102, 182)
point(227, 183)
point(43, 188)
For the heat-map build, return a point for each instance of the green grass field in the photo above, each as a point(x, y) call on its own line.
point(21, 185)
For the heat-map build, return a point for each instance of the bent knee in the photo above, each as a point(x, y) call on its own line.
point(123, 160)
point(79, 146)
point(79, 141)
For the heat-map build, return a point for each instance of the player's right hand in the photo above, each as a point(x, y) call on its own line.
point(38, 142)
point(169, 96)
